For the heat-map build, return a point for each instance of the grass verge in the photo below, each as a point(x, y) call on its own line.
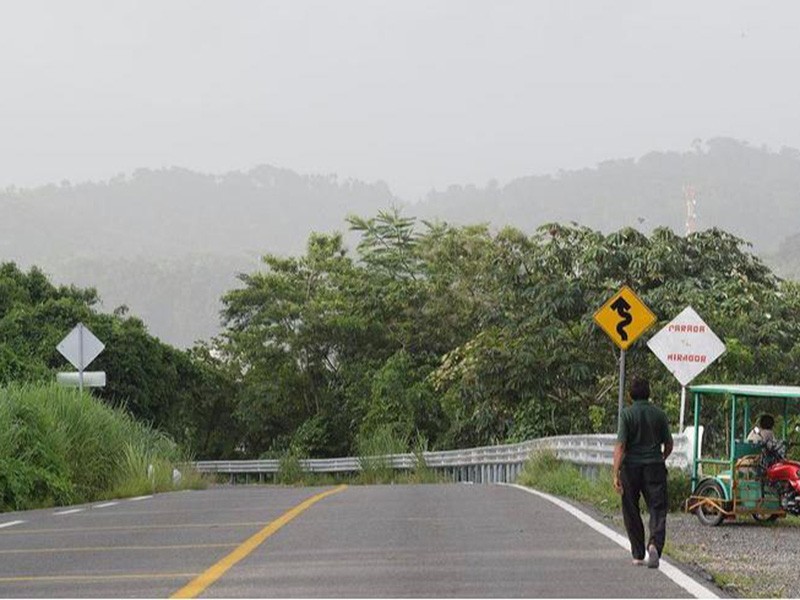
point(375, 467)
point(59, 447)
point(546, 473)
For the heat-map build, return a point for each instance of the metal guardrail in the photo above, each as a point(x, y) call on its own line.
point(488, 464)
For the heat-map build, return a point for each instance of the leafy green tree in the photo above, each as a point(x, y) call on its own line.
point(541, 371)
point(465, 337)
point(184, 394)
point(289, 330)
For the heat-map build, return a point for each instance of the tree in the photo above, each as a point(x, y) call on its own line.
point(467, 337)
point(153, 381)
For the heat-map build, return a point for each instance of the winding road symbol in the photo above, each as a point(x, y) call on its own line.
point(624, 317)
point(622, 307)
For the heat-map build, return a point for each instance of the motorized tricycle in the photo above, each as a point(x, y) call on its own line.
point(754, 479)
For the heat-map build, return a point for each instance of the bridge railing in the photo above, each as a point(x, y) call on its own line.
point(487, 464)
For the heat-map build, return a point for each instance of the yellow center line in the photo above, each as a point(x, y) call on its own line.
point(107, 548)
point(196, 587)
point(98, 577)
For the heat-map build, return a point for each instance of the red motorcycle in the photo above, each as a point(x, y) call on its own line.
point(781, 475)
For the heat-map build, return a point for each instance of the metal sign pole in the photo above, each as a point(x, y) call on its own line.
point(621, 385)
point(683, 407)
point(80, 359)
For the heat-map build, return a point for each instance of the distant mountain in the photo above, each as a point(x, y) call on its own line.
point(167, 243)
point(786, 261)
point(751, 192)
point(176, 212)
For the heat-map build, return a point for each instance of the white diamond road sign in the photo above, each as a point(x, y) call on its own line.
point(80, 347)
point(686, 346)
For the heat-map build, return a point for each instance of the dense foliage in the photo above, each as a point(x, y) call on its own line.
point(463, 337)
point(184, 394)
point(60, 447)
point(546, 473)
point(172, 239)
point(427, 335)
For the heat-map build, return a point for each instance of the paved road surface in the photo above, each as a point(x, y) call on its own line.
point(364, 541)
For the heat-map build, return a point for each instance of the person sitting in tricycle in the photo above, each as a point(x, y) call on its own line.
point(762, 433)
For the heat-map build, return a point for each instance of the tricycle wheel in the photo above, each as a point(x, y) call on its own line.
point(706, 513)
point(765, 518)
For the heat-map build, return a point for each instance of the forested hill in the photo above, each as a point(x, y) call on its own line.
point(751, 192)
point(786, 261)
point(168, 243)
point(175, 212)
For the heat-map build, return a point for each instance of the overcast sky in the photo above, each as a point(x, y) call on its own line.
point(417, 94)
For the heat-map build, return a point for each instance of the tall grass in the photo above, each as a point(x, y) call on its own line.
point(58, 446)
point(373, 452)
point(290, 470)
point(546, 473)
point(422, 473)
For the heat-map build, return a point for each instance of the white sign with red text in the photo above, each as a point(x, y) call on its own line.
point(686, 346)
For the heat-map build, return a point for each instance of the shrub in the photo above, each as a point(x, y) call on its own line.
point(545, 472)
point(373, 450)
point(290, 471)
point(58, 446)
point(679, 487)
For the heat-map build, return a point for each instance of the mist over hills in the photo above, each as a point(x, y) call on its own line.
point(168, 243)
point(751, 192)
point(176, 212)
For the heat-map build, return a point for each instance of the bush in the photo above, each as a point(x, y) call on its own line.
point(546, 473)
point(290, 471)
point(421, 473)
point(58, 446)
point(679, 487)
point(373, 450)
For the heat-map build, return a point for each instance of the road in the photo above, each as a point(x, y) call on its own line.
point(359, 541)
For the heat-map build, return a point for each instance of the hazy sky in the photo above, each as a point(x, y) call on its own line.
point(418, 94)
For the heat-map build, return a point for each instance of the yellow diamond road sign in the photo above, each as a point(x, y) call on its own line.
point(624, 317)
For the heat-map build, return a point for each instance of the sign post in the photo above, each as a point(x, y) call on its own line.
point(621, 391)
point(80, 347)
point(624, 317)
point(686, 346)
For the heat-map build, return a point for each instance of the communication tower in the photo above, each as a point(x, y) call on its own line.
point(690, 197)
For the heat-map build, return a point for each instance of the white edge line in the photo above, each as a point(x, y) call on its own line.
point(68, 512)
point(679, 577)
point(105, 504)
point(10, 524)
point(139, 498)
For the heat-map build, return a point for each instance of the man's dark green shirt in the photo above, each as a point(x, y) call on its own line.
point(643, 428)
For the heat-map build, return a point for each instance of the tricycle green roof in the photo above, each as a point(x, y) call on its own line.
point(751, 391)
point(735, 485)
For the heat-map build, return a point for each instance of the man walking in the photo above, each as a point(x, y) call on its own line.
point(639, 469)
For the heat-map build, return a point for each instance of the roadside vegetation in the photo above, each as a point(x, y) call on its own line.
point(422, 335)
point(60, 447)
point(476, 337)
point(548, 474)
point(461, 335)
point(375, 468)
point(729, 565)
